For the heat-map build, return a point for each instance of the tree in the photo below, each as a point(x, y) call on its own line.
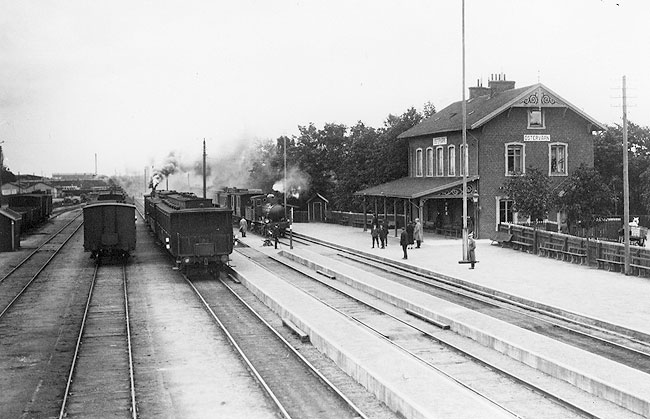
point(585, 198)
point(530, 193)
point(608, 161)
point(263, 171)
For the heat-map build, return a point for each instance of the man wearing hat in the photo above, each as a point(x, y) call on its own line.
point(418, 233)
point(404, 241)
point(471, 246)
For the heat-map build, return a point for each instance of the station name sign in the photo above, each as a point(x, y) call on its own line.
point(439, 140)
point(537, 137)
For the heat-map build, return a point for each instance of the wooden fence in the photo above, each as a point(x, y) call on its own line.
point(603, 254)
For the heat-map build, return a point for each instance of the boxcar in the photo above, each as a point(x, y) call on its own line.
point(109, 230)
point(193, 230)
point(38, 205)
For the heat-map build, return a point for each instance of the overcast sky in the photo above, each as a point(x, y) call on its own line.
point(131, 81)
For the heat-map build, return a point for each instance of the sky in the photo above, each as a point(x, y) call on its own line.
point(127, 83)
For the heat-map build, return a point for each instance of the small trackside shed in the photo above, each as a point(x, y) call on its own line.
point(10, 224)
point(317, 208)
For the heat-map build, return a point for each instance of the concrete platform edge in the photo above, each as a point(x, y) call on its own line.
point(556, 368)
point(397, 399)
point(511, 297)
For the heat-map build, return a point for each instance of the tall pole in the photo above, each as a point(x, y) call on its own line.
point(284, 180)
point(465, 152)
point(626, 187)
point(1, 169)
point(204, 170)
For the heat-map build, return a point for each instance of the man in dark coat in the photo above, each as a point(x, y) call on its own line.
point(404, 242)
point(383, 235)
point(472, 249)
point(410, 229)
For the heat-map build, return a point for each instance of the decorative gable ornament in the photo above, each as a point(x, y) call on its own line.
point(540, 98)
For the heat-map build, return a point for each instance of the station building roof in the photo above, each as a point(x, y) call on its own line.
point(414, 187)
point(482, 109)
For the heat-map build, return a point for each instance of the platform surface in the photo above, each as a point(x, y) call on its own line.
point(608, 296)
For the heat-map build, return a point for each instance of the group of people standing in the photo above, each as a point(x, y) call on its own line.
point(413, 234)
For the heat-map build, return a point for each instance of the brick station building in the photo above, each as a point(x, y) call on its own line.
point(508, 130)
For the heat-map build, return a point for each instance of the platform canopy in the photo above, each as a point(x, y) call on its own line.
point(422, 187)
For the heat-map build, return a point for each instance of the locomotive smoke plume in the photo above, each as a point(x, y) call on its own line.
point(224, 167)
point(156, 178)
point(297, 182)
point(171, 165)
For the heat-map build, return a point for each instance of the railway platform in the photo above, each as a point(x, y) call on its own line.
point(607, 297)
point(611, 297)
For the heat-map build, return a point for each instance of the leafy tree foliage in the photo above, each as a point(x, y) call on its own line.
point(530, 193)
point(608, 161)
point(585, 198)
point(7, 176)
point(338, 160)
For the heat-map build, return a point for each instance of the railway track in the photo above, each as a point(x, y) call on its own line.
point(14, 283)
point(101, 380)
point(624, 346)
point(295, 386)
point(518, 389)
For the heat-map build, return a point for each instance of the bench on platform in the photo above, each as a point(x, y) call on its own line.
point(555, 250)
point(450, 231)
point(500, 237)
point(519, 245)
point(640, 265)
point(577, 255)
point(611, 261)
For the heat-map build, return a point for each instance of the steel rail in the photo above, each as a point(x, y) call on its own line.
point(134, 414)
point(484, 297)
point(62, 412)
point(441, 341)
point(47, 262)
point(42, 245)
point(239, 350)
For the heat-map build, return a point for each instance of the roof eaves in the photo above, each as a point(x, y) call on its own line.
point(503, 107)
point(445, 186)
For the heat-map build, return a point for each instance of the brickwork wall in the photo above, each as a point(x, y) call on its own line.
point(566, 127)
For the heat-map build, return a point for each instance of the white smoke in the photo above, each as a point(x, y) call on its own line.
point(297, 182)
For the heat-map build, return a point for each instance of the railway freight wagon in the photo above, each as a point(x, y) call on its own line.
point(34, 207)
point(195, 232)
point(109, 230)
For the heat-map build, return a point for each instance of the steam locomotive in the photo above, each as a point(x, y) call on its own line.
point(263, 212)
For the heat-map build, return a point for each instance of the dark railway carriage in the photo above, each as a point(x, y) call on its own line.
point(34, 208)
point(109, 230)
point(238, 200)
point(193, 230)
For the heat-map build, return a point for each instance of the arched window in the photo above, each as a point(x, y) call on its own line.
point(429, 161)
point(418, 162)
point(440, 161)
point(451, 160)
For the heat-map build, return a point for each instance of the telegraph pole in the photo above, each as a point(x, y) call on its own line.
point(1, 169)
point(204, 170)
point(465, 155)
point(626, 186)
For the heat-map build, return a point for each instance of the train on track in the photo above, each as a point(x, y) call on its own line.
point(109, 227)
point(194, 231)
point(263, 212)
point(34, 208)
